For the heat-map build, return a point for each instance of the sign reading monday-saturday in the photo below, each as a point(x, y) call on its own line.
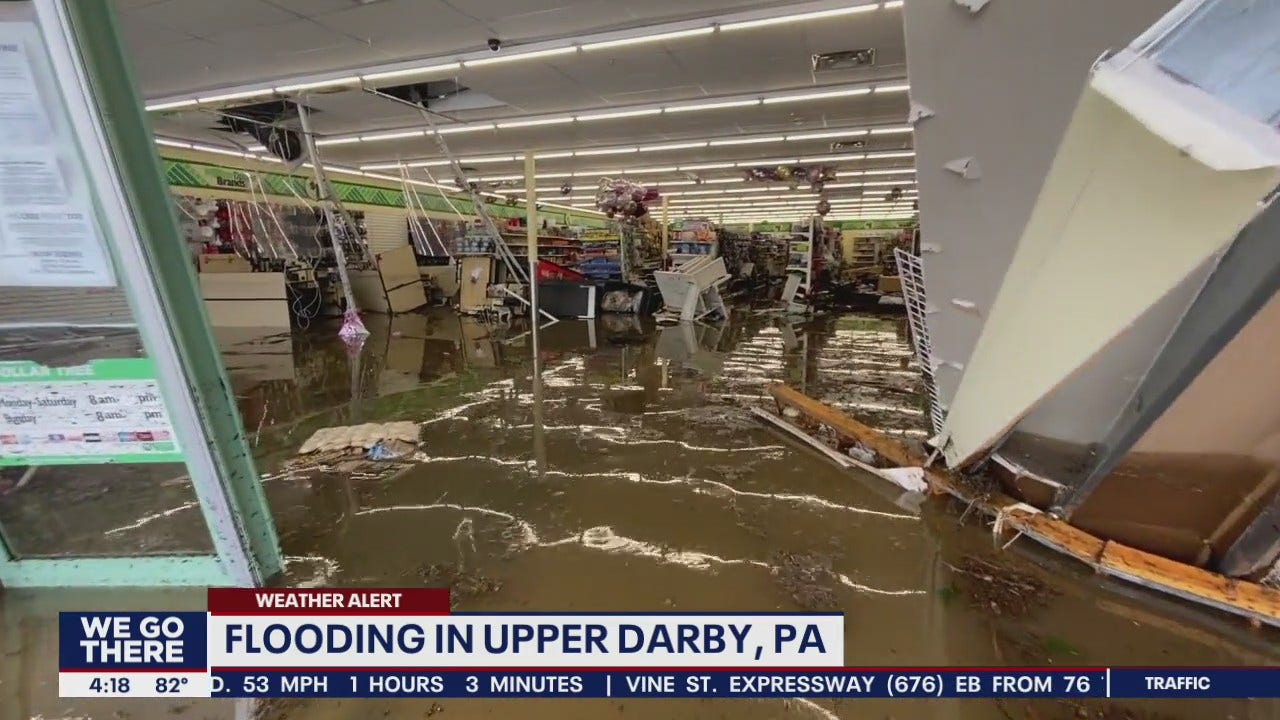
point(107, 411)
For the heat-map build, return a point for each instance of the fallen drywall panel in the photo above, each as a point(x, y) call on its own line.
point(970, 99)
point(1185, 116)
point(1121, 219)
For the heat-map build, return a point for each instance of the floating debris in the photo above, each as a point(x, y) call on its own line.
point(1001, 590)
point(808, 578)
point(462, 584)
point(360, 437)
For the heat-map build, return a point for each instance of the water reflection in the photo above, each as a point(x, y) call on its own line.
point(616, 466)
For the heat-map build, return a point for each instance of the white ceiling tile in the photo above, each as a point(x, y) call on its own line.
point(208, 19)
point(312, 8)
point(431, 23)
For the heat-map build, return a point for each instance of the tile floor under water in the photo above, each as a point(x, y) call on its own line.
point(636, 479)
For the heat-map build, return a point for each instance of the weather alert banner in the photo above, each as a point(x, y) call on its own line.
point(404, 643)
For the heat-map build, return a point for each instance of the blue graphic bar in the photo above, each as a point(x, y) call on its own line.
point(821, 683)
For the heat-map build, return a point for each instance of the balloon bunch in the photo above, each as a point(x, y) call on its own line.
point(824, 207)
point(624, 199)
point(794, 175)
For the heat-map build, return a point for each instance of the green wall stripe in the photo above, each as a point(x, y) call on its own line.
point(207, 176)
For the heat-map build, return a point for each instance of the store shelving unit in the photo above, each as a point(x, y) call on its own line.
point(694, 238)
point(800, 268)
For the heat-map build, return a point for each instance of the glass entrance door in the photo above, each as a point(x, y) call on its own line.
point(121, 460)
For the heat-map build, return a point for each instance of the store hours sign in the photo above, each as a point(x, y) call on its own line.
point(107, 411)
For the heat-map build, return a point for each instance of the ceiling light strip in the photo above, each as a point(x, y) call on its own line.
point(798, 17)
point(861, 89)
point(709, 142)
point(654, 33)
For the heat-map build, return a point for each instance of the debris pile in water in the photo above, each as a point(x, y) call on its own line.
point(462, 584)
point(999, 589)
point(379, 441)
point(808, 578)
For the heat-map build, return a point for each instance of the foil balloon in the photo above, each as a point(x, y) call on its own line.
point(624, 199)
point(824, 207)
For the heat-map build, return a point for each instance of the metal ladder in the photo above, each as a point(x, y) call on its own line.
point(911, 271)
point(513, 264)
point(335, 214)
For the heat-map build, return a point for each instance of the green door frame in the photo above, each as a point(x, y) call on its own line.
point(95, 84)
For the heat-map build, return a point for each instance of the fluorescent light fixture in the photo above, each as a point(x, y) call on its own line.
point(619, 114)
point(533, 123)
point(892, 88)
point(877, 155)
point(890, 130)
point(890, 171)
point(748, 141)
point(173, 143)
point(349, 80)
point(798, 17)
point(234, 96)
point(392, 135)
point(218, 150)
point(817, 95)
point(891, 4)
point(551, 174)
point(648, 170)
point(411, 71)
point(718, 181)
point(832, 158)
point(553, 155)
point(338, 141)
point(466, 128)
point(172, 105)
point(712, 105)
point(605, 151)
point(490, 159)
point(673, 146)
point(674, 183)
point(707, 166)
point(498, 178)
point(480, 62)
point(420, 163)
point(659, 37)
point(829, 134)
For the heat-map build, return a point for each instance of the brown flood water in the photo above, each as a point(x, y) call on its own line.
point(638, 480)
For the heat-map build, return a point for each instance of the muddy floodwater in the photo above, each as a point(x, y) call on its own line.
point(633, 477)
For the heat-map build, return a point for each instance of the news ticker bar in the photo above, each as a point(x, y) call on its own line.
point(741, 684)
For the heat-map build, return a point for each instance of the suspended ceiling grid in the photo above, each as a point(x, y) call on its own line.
point(186, 47)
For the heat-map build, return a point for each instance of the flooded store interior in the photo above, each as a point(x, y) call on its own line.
point(708, 306)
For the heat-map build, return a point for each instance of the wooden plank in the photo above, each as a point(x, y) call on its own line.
point(891, 450)
point(1260, 604)
point(1256, 602)
point(1057, 535)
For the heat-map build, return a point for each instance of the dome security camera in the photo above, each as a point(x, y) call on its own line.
point(495, 44)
